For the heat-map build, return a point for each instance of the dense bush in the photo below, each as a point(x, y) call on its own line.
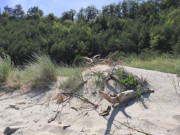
point(128, 27)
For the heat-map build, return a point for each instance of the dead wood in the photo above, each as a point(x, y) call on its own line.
point(123, 96)
point(92, 61)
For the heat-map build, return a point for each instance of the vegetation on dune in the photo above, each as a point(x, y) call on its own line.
point(6, 67)
point(40, 71)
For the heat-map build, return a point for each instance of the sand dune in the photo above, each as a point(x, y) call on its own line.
point(31, 111)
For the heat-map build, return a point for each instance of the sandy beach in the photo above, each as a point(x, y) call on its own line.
point(32, 112)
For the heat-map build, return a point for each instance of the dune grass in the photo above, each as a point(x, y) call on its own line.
point(14, 80)
point(6, 67)
point(161, 63)
point(39, 73)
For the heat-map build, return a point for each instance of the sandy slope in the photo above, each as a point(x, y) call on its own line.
point(160, 116)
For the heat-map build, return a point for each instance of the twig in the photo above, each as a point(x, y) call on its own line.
point(128, 126)
point(74, 108)
point(52, 119)
point(32, 105)
point(86, 100)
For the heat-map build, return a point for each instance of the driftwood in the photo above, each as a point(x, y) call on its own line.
point(108, 60)
point(92, 61)
point(123, 96)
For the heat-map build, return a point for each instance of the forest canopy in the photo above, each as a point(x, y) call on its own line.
point(130, 26)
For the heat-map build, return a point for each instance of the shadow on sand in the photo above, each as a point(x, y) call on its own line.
point(121, 108)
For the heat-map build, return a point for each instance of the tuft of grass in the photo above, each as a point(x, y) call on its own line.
point(101, 79)
point(14, 80)
point(6, 67)
point(40, 71)
point(73, 83)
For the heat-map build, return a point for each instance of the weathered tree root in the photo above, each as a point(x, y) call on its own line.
point(123, 96)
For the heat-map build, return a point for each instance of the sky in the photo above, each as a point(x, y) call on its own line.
point(57, 7)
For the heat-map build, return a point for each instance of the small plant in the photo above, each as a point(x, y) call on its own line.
point(127, 81)
point(101, 79)
point(139, 94)
point(94, 92)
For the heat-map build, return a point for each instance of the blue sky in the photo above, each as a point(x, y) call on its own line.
point(56, 6)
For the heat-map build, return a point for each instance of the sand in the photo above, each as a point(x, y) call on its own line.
point(160, 115)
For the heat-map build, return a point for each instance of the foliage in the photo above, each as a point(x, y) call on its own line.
point(78, 60)
point(127, 81)
point(129, 27)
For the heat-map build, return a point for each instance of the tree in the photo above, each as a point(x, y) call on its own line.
point(51, 17)
point(165, 4)
point(124, 9)
point(91, 12)
point(69, 15)
point(81, 14)
point(34, 11)
point(8, 10)
point(133, 9)
point(18, 11)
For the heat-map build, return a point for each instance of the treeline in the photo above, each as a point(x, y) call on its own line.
point(130, 26)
